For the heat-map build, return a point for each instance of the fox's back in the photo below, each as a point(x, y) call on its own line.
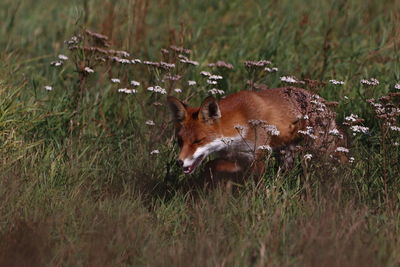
point(281, 107)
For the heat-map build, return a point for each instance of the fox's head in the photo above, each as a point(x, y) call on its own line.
point(197, 131)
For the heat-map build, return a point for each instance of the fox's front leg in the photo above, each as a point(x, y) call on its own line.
point(223, 169)
point(220, 169)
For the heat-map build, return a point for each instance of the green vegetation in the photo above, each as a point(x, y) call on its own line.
point(79, 185)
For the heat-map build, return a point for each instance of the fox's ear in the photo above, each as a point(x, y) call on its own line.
point(209, 110)
point(178, 108)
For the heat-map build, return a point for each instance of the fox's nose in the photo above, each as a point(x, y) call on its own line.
point(179, 162)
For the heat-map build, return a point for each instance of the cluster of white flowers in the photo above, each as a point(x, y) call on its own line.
point(156, 151)
point(186, 60)
point(308, 132)
point(205, 73)
point(191, 83)
point(216, 91)
point(271, 69)
point(88, 70)
point(215, 77)
point(318, 104)
point(335, 132)
point(121, 60)
point(395, 128)
point(73, 41)
point(213, 82)
point(397, 86)
point(62, 57)
point(135, 83)
point(359, 129)
point(150, 123)
point(265, 147)
point(271, 129)
point(166, 65)
point(371, 82)
point(341, 149)
point(259, 63)
point(157, 89)
point(308, 156)
point(289, 79)
point(336, 82)
point(48, 88)
point(56, 63)
point(178, 90)
point(351, 118)
point(127, 91)
point(379, 109)
point(121, 53)
point(115, 80)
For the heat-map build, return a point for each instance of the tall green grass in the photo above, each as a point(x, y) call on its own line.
point(78, 184)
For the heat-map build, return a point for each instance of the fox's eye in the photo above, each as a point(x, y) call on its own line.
point(198, 141)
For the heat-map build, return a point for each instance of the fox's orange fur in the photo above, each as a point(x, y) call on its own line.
point(229, 127)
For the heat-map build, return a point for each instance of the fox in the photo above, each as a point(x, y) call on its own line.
point(242, 127)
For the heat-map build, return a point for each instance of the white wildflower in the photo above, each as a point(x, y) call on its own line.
point(335, 132)
point(216, 91)
point(336, 82)
point(397, 86)
point(395, 128)
point(121, 60)
point(265, 147)
point(178, 90)
point(372, 82)
point(48, 88)
point(167, 65)
point(150, 123)
point(115, 80)
point(135, 83)
point(307, 156)
point(62, 57)
point(215, 77)
point(346, 97)
point(136, 60)
point(308, 132)
point(205, 73)
point(271, 129)
point(289, 79)
point(56, 63)
point(341, 149)
point(156, 151)
point(88, 70)
point(127, 91)
point(271, 69)
point(157, 89)
point(191, 83)
point(351, 118)
point(212, 82)
point(359, 129)
point(351, 159)
point(305, 117)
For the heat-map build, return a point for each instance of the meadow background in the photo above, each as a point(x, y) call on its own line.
point(80, 187)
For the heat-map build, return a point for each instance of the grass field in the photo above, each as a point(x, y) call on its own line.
point(79, 185)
